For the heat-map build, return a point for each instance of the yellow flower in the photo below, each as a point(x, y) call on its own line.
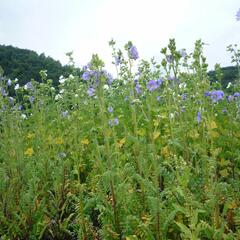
point(121, 142)
point(165, 152)
point(30, 135)
point(59, 141)
point(29, 152)
point(85, 141)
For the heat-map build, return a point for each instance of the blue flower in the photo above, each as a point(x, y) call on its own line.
point(169, 58)
point(110, 109)
point(29, 86)
point(207, 94)
point(11, 101)
point(217, 95)
point(4, 93)
point(31, 99)
point(198, 117)
point(238, 15)
point(109, 77)
point(91, 91)
point(182, 52)
point(113, 122)
point(133, 53)
point(117, 60)
point(64, 113)
point(9, 82)
point(158, 98)
point(230, 98)
point(152, 85)
point(137, 88)
point(236, 94)
point(86, 76)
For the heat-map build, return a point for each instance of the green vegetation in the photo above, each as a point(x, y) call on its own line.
point(151, 155)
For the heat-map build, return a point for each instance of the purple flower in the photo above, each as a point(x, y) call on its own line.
point(109, 77)
point(184, 96)
point(224, 110)
point(171, 78)
point(133, 53)
point(116, 121)
point(236, 94)
point(86, 76)
point(64, 113)
point(152, 85)
point(198, 117)
point(9, 82)
point(31, 99)
point(91, 91)
point(183, 53)
point(117, 60)
point(110, 109)
point(158, 98)
point(29, 86)
point(11, 101)
point(230, 98)
point(217, 95)
point(207, 94)
point(238, 15)
point(169, 58)
point(86, 66)
point(113, 122)
point(137, 88)
point(4, 93)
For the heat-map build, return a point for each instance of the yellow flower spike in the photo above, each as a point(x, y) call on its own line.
point(59, 141)
point(85, 141)
point(141, 132)
point(155, 122)
point(29, 152)
point(121, 142)
point(30, 135)
point(156, 134)
point(165, 152)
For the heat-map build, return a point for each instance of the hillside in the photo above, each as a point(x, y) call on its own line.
point(25, 64)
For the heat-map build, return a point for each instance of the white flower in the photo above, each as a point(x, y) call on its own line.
point(229, 85)
point(76, 95)
point(23, 116)
point(16, 87)
point(62, 91)
point(58, 96)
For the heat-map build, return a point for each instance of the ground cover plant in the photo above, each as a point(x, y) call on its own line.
point(153, 153)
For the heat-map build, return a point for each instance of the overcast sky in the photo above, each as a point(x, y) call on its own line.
point(86, 26)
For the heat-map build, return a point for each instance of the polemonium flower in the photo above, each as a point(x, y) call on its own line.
point(236, 94)
point(62, 79)
point(86, 76)
point(230, 98)
point(217, 95)
point(184, 96)
point(91, 91)
point(238, 15)
point(133, 53)
point(169, 58)
point(198, 117)
point(9, 82)
point(117, 60)
point(158, 98)
point(110, 109)
point(4, 93)
point(152, 85)
point(16, 87)
point(11, 101)
point(31, 99)
point(29, 86)
point(109, 77)
point(183, 53)
point(116, 121)
point(207, 94)
point(137, 88)
point(64, 113)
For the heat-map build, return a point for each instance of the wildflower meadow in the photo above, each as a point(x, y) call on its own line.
point(149, 152)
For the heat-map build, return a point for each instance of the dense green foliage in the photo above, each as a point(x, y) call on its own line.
point(26, 64)
point(152, 154)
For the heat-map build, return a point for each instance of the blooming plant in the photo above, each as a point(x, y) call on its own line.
point(150, 154)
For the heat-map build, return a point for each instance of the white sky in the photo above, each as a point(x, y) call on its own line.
point(86, 26)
